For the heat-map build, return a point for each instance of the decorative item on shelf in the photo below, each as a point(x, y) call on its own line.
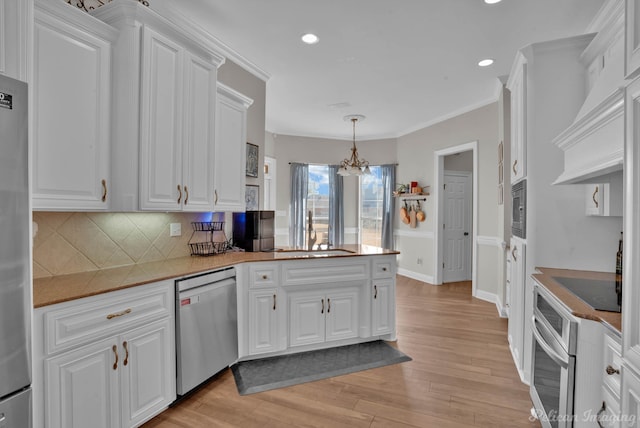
point(354, 165)
point(88, 5)
point(208, 238)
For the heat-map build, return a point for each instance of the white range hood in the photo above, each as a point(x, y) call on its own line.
point(593, 145)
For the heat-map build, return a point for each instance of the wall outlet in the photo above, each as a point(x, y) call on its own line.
point(419, 261)
point(175, 229)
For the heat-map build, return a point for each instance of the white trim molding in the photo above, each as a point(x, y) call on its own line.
point(415, 275)
point(492, 298)
point(427, 234)
point(491, 241)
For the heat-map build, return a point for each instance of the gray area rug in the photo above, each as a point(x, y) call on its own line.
point(286, 370)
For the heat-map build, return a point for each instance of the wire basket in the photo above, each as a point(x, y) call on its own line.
point(208, 238)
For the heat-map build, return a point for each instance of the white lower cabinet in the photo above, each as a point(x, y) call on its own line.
point(630, 406)
point(263, 321)
point(105, 361)
point(383, 311)
point(317, 317)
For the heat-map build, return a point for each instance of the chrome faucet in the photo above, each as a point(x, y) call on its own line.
point(311, 240)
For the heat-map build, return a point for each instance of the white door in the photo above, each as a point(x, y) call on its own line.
point(342, 314)
point(307, 318)
point(383, 315)
point(263, 321)
point(457, 226)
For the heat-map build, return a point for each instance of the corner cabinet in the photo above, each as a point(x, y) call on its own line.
point(164, 102)
point(117, 348)
point(71, 109)
point(230, 149)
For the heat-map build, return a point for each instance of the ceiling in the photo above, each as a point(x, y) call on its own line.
point(404, 64)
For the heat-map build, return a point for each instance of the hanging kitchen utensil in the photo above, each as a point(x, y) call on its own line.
point(412, 217)
point(404, 214)
point(420, 215)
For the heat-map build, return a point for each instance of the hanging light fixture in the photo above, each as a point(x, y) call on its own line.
point(354, 165)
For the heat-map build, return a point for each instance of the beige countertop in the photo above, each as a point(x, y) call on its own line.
point(579, 308)
point(57, 289)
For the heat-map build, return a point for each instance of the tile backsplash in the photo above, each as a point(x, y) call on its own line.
point(71, 242)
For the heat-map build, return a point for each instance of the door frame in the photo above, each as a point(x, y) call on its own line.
point(468, 176)
point(438, 160)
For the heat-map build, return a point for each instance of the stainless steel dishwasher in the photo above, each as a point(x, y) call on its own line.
point(206, 327)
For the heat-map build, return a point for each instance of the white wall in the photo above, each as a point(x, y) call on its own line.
point(289, 148)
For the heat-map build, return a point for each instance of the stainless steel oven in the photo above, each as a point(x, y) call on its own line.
point(555, 334)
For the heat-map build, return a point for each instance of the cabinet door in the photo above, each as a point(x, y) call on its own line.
point(632, 38)
point(82, 387)
point(342, 314)
point(307, 318)
point(198, 142)
point(518, 123)
point(71, 110)
point(15, 16)
point(594, 197)
point(148, 371)
point(517, 304)
point(383, 311)
point(263, 321)
point(161, 186)
point(231, 148)
point(630, 406)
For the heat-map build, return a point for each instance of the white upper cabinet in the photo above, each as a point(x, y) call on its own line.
point(230, 149)
point(517, 84)
point(71, 109)
point(632, 36)
point(177, 127)
point(604, 199)
point(16, 17)
point(164, 94)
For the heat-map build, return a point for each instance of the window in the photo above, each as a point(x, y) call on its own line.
point(371, 207)
point(318, 202)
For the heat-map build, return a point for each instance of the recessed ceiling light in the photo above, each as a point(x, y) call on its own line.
point(485, 62)
point(492, 1)
point(310, 38)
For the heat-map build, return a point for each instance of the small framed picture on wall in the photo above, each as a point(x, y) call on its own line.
point(252, 197)
point(252, 160)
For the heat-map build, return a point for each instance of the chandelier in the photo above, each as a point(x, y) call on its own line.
point(353, 165)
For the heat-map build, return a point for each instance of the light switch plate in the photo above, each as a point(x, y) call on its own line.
point(175, 229)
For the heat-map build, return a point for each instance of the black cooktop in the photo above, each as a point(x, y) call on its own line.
point(601, 295)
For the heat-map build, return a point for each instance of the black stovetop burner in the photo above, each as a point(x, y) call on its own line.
point(601, 295)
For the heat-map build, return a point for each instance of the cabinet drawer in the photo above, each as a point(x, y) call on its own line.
point(326, 271)
point(75, 323)
point(263, 275)
point(383, 268)
point(612, 365)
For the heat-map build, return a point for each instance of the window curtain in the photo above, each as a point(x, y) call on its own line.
point(388, 184)
point(298, 203)
point(336, 207)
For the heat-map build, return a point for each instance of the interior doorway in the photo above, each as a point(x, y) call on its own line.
point(471, 227)
point(456, 224)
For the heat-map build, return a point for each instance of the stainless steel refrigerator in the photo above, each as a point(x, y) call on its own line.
point(15, 300)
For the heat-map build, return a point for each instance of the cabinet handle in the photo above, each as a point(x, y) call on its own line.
point(186, 195)
point(610, 370)
point(125, 345)
point(513, 253)
point(515, 162)
point(274, 302)
point(322, 310)
point(119, 314)
point(595, 201)
point(179, 194)
point(375, 291)
point(104, 190)
point(115, 352)
point(215, 196)
point(328, 305)
point(600, 412)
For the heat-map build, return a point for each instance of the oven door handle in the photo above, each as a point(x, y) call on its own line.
point(564, 362)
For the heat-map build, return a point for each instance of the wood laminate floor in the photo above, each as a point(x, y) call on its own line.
point(462, 375)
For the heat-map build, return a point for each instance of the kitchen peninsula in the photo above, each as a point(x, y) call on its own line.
point(110, 331)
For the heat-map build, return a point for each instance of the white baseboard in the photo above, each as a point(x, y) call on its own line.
point(520, 371)
point(492, 298)
point(415, 275)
